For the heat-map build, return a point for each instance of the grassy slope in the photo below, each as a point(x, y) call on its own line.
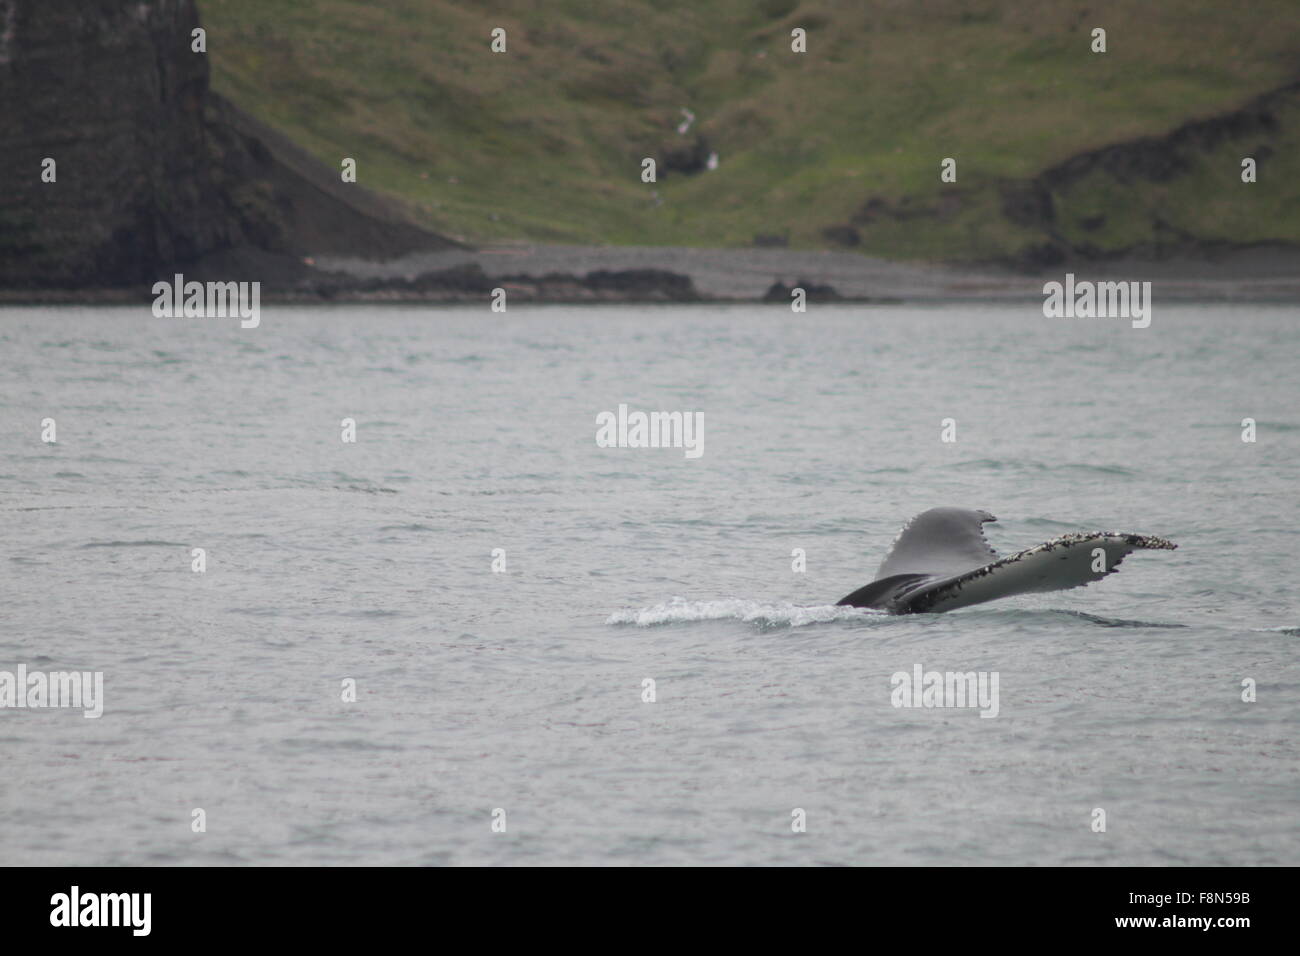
point(545, 141)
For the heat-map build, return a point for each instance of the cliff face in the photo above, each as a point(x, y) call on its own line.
point(152, 170)
point(111, 92)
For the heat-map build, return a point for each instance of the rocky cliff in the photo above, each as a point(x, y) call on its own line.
point(152, 172)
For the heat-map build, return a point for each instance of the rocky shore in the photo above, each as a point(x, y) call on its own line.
point(579, 275)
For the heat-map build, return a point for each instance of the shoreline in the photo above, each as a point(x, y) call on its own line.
point(581, 275)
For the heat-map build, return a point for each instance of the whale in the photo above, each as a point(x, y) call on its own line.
point(940, 561)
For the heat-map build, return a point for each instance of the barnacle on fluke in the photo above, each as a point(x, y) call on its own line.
point(941, 561)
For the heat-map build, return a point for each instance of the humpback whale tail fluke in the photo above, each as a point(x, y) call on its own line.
point(940, 561)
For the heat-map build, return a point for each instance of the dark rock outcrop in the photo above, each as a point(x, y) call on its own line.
point(687, 157)
point(813, 292)
point(153, 171)
point(643, 284)
point(468, 282)
point(842, 235)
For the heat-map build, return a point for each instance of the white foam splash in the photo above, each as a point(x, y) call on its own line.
point(781, 614)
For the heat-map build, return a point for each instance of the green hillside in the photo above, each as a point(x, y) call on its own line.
point(544, 142)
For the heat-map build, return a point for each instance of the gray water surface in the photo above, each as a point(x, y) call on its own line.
point(523, 690)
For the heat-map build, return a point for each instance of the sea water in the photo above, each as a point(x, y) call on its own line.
point(474, 635)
